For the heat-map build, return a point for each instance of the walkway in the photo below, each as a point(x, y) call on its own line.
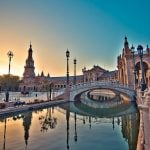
point(13, 110)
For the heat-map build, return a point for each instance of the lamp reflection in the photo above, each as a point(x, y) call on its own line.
point(48, 121)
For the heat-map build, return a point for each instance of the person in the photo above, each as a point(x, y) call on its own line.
point(7, 96)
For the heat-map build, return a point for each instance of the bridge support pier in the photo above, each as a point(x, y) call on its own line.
point(67, 93)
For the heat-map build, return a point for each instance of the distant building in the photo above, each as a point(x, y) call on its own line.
point(110, 76)
point(99, 74)
point(31, 82)
point(126, 66)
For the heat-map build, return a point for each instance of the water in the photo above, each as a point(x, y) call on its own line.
point(74, 126)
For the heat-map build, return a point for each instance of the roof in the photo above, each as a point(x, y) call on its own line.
point(96, 68)
point(63, 78)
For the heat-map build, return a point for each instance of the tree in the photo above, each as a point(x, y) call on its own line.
point(10, 82)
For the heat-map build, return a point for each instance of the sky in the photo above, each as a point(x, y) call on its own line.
point(92, 30)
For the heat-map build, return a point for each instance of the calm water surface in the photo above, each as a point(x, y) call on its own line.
point(70, 126)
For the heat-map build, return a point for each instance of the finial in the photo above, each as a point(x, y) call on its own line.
point(30, 45)
point(147, 48)
point(132, 47)
point(126, 45)
point(48, 75)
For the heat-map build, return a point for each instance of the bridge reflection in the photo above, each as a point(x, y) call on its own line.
point(129, 123)
point(72, 118)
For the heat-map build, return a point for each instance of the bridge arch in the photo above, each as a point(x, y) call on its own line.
point(115, 87)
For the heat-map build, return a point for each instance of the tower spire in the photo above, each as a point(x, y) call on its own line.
point(147, 48)
point(126, 44)
point(30, 45)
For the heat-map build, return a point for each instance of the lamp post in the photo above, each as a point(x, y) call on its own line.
point(140, 53)
point(67, 55)
point(75, 62)
point(134, 71)
point(50, 91)
point(10, 56)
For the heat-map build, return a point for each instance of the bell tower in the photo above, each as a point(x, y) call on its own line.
point(126, 44)
point(29, 66)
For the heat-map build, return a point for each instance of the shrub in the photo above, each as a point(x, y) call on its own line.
point(2, 105)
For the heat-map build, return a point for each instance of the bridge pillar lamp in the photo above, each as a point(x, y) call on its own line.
point(50, 90)
point(140, 53)
point(134, 69)
point(67, 56)
point(75, 62)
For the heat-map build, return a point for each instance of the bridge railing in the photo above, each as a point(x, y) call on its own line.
point(102, 83)
point(96, 84)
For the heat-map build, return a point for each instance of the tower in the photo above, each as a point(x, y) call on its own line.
point(29, 67)
point(125, 65)
point(126, 44)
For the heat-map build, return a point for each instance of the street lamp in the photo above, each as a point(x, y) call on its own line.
point(75, 62)
point(67, 55)
point(140, 53)
point(134, 71)
point(50, 91)
point(10, 55)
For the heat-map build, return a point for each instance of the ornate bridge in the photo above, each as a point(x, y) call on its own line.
point(73, 91)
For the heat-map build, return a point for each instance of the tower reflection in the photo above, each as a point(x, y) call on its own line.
point(130, 126)
point(26, 124)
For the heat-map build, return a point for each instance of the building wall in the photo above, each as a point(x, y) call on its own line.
point(99, 74)
point(126, 67)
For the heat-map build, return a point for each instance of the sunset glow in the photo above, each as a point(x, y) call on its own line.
point(92, 30)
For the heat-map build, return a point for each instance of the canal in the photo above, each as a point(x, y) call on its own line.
point(84, 124)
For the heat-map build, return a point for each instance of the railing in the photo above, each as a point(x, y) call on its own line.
point(96, 84)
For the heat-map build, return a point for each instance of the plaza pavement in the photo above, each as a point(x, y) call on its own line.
point(34, 100)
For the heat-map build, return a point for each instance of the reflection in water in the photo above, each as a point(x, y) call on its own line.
point(26, 124)
point(77, 127)
point(48, 121)
point(118, 121)
point(130, 125)
point(4, 133)
point(83, 119)
point(113, 123)
point(90, 122)
point(67, 119)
